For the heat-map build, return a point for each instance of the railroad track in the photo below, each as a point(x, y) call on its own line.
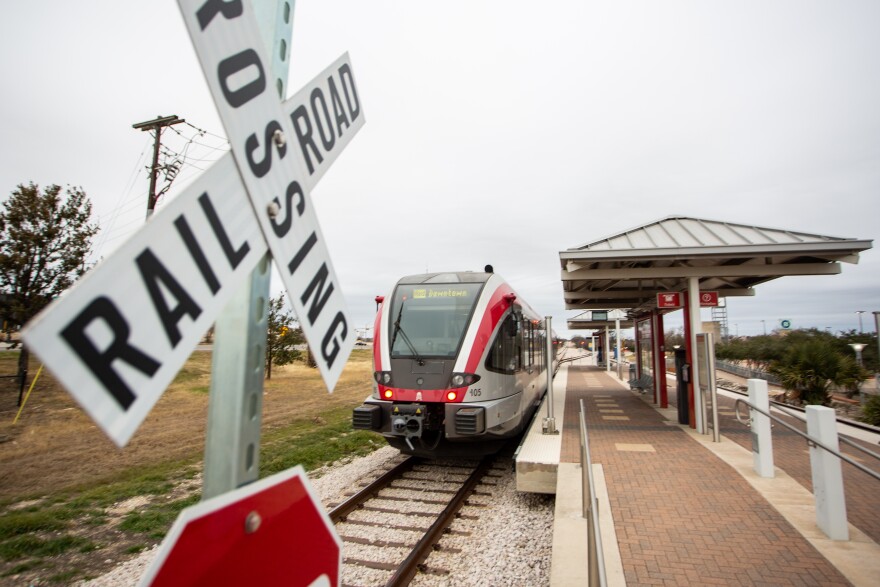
point(391, 525)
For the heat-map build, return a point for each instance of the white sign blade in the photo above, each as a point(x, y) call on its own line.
point(117, 339)
point(119, 336)
point(229, 47)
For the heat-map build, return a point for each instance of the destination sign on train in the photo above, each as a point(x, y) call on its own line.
point(117, 339)
point(439, 293)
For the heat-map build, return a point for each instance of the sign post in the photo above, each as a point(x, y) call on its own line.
point(235, 404)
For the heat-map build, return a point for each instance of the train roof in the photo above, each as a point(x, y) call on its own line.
point(447, 277)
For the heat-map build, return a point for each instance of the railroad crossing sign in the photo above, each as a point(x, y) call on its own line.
point(256, 535)
point(119, 336)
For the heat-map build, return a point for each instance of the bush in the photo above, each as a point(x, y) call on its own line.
point(871, 411)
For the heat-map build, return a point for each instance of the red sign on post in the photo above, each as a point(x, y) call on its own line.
point(669, 300)
point(674, 299)
point(271, 532)
point(708, 299)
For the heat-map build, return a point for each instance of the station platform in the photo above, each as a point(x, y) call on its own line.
point(676, 508)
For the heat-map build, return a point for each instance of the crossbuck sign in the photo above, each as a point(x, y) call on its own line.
point(118, 338)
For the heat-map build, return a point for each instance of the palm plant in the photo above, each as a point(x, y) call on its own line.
point(811, 367)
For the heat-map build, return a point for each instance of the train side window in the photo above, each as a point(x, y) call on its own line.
point(505, 356)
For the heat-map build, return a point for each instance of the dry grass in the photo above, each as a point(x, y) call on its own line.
point(55, 446)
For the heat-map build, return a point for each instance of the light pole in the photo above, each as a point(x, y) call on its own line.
point(857, 347)
point(764, 323)
point(877, 333)
point(860, 312)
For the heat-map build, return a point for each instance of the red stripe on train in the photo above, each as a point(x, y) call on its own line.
point(494, 311)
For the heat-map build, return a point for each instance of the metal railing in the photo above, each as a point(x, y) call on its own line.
point(810, 440)
point(746, 372)
point(596, 557)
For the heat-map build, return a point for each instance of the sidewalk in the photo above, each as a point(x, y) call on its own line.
point(683, 516)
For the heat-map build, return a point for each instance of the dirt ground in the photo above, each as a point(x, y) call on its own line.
point(55, 445)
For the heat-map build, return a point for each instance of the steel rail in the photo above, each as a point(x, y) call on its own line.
point(410, 566)
point(339, 513)
point(810, 440)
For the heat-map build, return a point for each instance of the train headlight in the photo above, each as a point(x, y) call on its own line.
point(388, 393)
point(462, 379)
point(383, 377)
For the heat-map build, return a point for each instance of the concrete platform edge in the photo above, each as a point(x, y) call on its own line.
point(538, 456)
point(570, 531)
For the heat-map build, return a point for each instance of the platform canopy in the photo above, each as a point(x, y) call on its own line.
point(628, 270)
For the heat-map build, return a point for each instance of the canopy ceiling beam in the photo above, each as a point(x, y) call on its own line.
point(716, 271)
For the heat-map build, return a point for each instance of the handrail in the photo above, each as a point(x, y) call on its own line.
point(595, 553)
point(783, 407)
point(810, 440)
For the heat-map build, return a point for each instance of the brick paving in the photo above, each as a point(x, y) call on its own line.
point(790, 454)
point(682, 516)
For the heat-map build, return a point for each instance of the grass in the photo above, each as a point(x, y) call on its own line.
point(31, 546)
point(24, 522)
point(155, 521)
point(39, 543)
point(313, 445)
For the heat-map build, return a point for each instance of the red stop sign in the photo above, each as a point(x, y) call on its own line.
point(271, 532)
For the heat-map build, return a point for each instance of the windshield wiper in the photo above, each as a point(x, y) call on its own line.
point(409, 344)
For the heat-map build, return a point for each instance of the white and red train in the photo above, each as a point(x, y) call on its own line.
point(459, 365)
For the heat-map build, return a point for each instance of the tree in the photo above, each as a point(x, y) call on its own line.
point(808, 362)
point(673, 338)
point(283, 336)
point(809, 368)
point(44, 242)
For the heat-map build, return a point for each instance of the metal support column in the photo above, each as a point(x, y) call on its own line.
point(696, 326)
point(232, 441)
point(550, 421)
point(619, 350)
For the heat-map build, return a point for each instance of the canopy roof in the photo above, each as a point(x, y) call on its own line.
point(628, 270)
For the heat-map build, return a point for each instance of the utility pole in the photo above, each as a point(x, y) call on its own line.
point(156, 124)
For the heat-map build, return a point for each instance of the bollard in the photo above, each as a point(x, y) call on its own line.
point(762, 441)
point(827, 473)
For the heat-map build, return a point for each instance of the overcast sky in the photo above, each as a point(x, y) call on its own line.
point(496, 132)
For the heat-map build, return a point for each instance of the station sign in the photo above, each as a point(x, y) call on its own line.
point(118, 337)
point(708, 299)
point(675, 299)
point(274, 531)
point(669, 299)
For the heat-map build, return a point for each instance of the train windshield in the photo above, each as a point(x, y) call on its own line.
point(429, 320)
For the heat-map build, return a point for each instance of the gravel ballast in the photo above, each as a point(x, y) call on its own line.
point(505, 540)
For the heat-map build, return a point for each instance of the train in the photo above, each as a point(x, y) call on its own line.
point(460, 365)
